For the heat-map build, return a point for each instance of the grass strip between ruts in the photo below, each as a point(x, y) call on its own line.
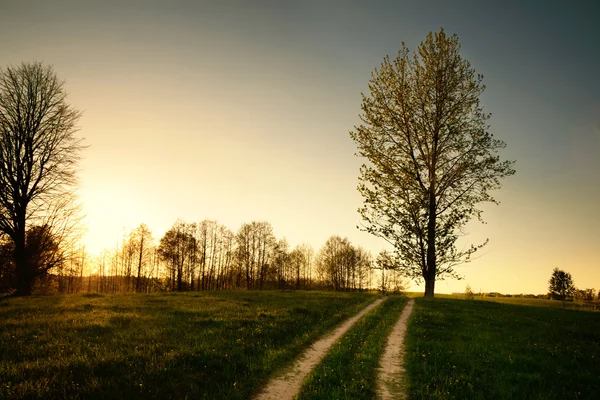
point(349, 370)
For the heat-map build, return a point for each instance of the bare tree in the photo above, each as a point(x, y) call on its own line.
point(143, 243)
point(255, 241)
point(431, 159)
point(176, 249)
point(38, 158)
point(281, 262)
point(336, 263)
point(306, 254)
point(391, 279)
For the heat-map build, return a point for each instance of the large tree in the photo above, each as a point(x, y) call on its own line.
point(38, 156)
point(430, 157)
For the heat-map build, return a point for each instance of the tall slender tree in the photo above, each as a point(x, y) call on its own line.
point(143, 243)
point(430, 157)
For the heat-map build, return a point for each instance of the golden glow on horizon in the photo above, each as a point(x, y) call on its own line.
point(212, 116)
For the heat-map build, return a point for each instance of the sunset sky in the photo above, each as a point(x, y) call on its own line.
point(240, 111)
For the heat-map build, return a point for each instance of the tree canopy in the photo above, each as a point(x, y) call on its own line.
point(431, 160)
point(561, 284)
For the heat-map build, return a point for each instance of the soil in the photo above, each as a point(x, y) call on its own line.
point(287, 385)
point(391, 372)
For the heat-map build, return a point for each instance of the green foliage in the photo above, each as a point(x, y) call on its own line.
point(349, 369)
point(430, 157)
point(193, 345)
point(460, 349)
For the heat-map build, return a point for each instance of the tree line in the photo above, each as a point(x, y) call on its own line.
point(209, 256)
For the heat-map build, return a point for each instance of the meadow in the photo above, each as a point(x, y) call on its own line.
point(474, 349)
point(188, 345)
point(227, 345)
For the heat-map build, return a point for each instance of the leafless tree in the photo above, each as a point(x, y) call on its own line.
point(336, 261)
point(281, 262)
point(177, 249)
point(38, 158)
point(143, 243)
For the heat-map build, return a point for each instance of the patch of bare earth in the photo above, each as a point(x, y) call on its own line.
point(391, 371)
point(288, 384)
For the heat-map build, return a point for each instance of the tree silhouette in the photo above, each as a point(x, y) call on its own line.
point(38, 156)
point(431, 159)
point(176, 249)
point(561, 285)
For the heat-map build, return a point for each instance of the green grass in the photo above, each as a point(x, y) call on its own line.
point(461, 349)
point(194, 345)
point(569, 305)
point(348, 371)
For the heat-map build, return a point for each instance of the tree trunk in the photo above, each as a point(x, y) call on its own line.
point(22, 269)
point(431, 256)
point(429, 286)
point(24, 278)
point(138, 283)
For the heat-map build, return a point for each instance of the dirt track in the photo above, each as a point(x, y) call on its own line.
point(391, 370)
point(287, 385)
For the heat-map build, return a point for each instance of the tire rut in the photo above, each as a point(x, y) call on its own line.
point(286, 385)
point(391, 371)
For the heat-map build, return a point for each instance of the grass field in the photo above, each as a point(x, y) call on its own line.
point(525, 301)
point(569, 305)
point(472, 349)
point(192, 345)
point(349, 369)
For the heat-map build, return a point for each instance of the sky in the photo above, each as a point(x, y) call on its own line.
point(240, 111)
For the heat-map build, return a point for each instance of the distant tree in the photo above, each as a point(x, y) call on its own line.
point(364, 264)
point(282, 262)
point(143, 244)
point(384, 262)
point(203, 233)
point(176, 249)
point(336, 263)
point(390, 276)
point(303, 255)
point(585, 294)
point(226, 259)
point(589, 294)
point(431, 159)
point(265, 249)
point(255, 243)
point(295, 261)
point(38, 158)
point(561, 285)
point(215, 255)
point(469, 295)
